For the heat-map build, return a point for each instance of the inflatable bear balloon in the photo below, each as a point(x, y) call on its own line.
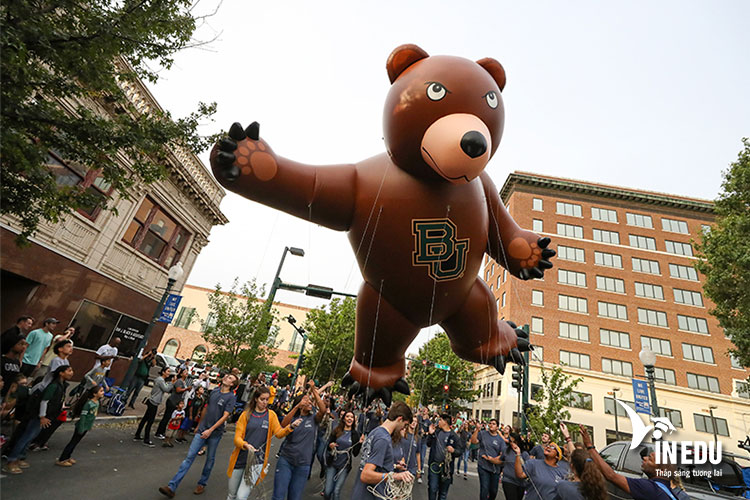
point(419, 217)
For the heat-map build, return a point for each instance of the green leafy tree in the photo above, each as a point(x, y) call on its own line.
point(64, 65)
point(725, 256)
point(331, 333)
point(426, 382)
point(551, 402)
point(238, 328)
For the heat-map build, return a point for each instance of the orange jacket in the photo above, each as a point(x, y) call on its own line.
point(274, 428)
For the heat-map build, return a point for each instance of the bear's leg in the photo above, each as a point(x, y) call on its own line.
point(477, 335)
point(383, 334)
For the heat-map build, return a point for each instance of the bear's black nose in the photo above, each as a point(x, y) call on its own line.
point(473, 144)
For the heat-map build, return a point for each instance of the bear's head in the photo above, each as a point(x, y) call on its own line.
point(444, 116)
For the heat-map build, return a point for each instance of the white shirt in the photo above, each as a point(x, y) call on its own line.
point(105, 351)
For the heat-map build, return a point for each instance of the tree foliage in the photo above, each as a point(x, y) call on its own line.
point(63, 68)
point(331, 333)
point(238, 328)
point(725, 256)
point(426, 382)
point(552, 400)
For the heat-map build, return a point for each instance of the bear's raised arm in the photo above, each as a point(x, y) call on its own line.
point(245, 164)
point(523, 253)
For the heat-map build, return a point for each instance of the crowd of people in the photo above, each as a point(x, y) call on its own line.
point(388, 448)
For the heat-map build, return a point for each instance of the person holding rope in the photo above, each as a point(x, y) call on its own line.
point(410, 445)
point(376, 479)
point(544, 474)
point(513, 487)
point(587, 484)
point(442, 442)
point(252, 443)
point(491, 448)
point(344, 444)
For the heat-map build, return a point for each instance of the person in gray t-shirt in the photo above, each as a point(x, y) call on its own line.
point(178, 390)
point(160, 387)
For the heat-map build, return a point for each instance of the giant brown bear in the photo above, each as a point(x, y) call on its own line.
point(419, 217)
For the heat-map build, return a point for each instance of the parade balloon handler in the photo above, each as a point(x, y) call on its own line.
point(491, 448)
point(543, 474)
point(587, 483)
point(425, 210)
point(442, 442)
point(410, 445)
point(343, 445)
point(252, 444)
point(513, 486)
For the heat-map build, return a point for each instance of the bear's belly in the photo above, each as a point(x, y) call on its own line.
point(422, 244)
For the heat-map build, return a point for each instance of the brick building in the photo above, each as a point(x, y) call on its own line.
point(623, 280)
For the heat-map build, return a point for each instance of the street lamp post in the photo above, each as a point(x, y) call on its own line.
point(301, 331)
point(277, 282)
point(617, 423)
point(713, 422)
point(648, 358)
point(173, 275)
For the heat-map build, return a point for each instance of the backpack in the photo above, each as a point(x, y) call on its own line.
point(116, 405)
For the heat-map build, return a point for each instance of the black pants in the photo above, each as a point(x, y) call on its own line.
point(165, 419)
point(68, 451)
point(147, 421)
point(512, 491)
point(44, 436)
point(27, 369)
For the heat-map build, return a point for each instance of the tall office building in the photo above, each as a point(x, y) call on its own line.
point(623, 280)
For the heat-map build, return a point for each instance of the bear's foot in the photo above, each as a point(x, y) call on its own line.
point(376, 382)
point(514, 355)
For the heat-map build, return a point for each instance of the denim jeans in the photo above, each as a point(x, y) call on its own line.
point(488, 484)
point(30, 432)
point(135, 389)
point(238, 489)
point(423, 451)
point(437, 488)
point(211, 443)
point(334, 484)
point(289, 480)
point(463, 457)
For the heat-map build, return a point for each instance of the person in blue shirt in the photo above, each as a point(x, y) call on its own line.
point(343, 445)
point(442, 442)
point(513, 487)
point(543, 474)
point(491, 447)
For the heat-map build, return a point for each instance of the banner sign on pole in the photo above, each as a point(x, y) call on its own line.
point(640, 397)
point(170, 308)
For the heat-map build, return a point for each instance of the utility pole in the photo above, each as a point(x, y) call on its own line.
point(617, 423)
point(525, 387)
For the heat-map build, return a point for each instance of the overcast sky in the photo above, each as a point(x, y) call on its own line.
point(642, 94)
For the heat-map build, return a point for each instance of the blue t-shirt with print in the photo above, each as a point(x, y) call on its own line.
point(377, 450)
point(218, 403)
point(298, 446)
point(544, 479)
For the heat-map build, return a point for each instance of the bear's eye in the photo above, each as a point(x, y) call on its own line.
point(436, 91)
point(491, 98)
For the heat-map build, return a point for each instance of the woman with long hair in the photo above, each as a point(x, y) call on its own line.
point(544, 473)
point(343, 445)
point(588, 482)
point(252, 442)
point(87, 407)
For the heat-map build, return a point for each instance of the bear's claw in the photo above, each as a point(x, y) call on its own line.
point(236, 132)
point(499, 363)
point(253, 131)
point(384, 393)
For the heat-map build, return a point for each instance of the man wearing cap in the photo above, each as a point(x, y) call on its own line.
point(39, 341)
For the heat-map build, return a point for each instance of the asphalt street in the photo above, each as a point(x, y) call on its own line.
point(112, 466)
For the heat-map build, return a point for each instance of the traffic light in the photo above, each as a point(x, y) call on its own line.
point(301, 361)
point(446, 407)
point(446, 387)
point(517, 377)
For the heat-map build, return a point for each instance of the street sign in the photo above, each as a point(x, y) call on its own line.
point(640, 397)
point(170, 307)
point(442, 367)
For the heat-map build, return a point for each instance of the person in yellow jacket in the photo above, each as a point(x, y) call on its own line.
point(252, 442)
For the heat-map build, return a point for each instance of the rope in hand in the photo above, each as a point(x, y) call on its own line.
point(394, 489)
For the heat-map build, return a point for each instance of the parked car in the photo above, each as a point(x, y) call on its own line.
point(729, 484)
point(162, 360)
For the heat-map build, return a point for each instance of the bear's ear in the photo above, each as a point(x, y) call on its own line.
point(495, 69)
point(401, 58)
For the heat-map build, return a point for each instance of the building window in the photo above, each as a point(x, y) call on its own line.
point(603, 214)
point(699, 353)
point(645, 266)
point(581, 400)
point(735, 362)
point(537, 297)
point(574, 332)
point(155, 234)
point(608, 259)
point(612, 237)
point(537, 354)
point(89, 180)
point(674, 416)
point(649, 291)
point(573, 304)
point(503, 301)
point(688, 297)
point(570, 230)
point(537, 325)
point(613, 436)
point(651, 317)
point(570, 253)
point(665, 376)
point(575, 360)
point(703, 382)
point(170, 348)
point(537, 204)
point(616, 367)
point(610, 284)
point(295, 345)
point(678, 248)
point(498, 281)
point(609, 406)
point(185, 317)
point(704, 423)
point(639, 220)
point(537, 226)
point(742, 388)
point(210, 322)
point(614, 311)
point(683, 272)
point(571, 278)
point(199, 354)
point(570, 209)
point(505, 275)
point(674, 226)
point(643, 242)
point(691, 324)
point(536, 391)
point(705, 228)
point(659, 346)
point(612, 338)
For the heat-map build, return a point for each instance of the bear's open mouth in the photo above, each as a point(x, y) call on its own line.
point(436, 167)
